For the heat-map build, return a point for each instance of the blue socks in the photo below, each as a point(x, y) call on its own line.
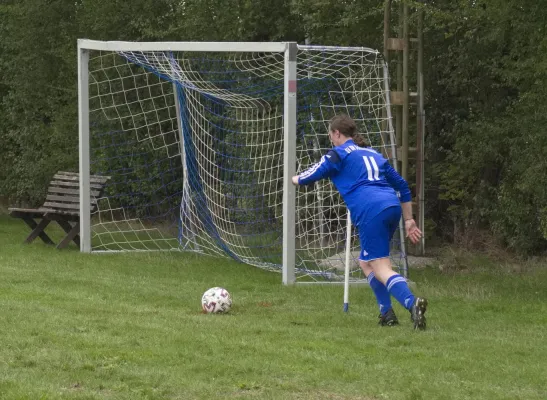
point(398, 288)
point(380, 291)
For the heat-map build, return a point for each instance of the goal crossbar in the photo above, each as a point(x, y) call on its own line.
point(244, 47)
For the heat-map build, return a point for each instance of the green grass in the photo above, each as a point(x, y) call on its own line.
point(129, 326)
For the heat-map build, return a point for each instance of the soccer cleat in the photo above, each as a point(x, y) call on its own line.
point(388, 319)
point(417, 313)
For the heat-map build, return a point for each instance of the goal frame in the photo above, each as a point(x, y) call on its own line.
point(289, 50)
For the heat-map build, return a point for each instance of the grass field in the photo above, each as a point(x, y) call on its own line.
point(129, 326)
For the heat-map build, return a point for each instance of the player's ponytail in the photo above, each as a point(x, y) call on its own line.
point(360, 140)
point(347, 127)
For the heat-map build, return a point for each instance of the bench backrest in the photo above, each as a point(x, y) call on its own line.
point(64, 192)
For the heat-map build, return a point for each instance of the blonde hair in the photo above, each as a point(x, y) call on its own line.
point(347, 127)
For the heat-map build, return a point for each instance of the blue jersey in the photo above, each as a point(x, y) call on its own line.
point(365, 179)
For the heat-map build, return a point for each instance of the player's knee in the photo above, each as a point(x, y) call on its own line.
point(380, 264)
point(365, 266)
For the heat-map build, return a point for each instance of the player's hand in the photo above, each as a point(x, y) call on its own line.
point(412, 231)
point(295, 180)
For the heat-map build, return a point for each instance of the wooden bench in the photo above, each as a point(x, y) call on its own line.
point(63, 206)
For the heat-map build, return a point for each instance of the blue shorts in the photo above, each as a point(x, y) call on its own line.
point(376, 235)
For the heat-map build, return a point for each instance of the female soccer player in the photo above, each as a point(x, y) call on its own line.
point(368, 185)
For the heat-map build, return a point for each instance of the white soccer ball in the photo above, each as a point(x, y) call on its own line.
point(216, 300)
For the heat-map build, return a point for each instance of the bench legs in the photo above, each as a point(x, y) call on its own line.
point(72, 229)
point(72, 233)
point(37, 230)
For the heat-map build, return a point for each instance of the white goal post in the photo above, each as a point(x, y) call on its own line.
point(200, 141)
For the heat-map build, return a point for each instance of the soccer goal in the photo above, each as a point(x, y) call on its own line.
point(200, 141)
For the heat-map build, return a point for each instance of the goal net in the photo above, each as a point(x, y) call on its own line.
point(193, 142)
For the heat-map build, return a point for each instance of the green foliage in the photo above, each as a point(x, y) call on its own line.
point(38, 67)
point(38, 119)
point(342, 23)
point(485, 73)
point(487, 126)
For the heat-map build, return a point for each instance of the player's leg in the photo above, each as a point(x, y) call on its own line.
point(396, 284)
point(385, 224)
point(387, 316)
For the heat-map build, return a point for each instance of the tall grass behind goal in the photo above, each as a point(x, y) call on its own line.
point(199, 140)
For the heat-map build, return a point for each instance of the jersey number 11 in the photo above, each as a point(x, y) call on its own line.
point(372, 168)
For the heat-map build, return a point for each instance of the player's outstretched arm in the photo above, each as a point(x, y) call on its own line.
point(323, 169)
